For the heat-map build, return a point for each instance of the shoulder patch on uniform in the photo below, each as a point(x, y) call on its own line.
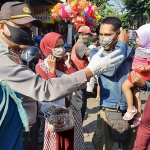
point(14, 58)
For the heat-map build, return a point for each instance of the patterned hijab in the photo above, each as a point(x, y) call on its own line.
point(144, 35)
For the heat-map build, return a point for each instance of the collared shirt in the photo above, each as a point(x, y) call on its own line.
point(111, 82)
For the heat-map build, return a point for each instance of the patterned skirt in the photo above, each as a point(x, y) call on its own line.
point(68, 140)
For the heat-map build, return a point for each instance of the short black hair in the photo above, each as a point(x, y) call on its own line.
point(116, 22)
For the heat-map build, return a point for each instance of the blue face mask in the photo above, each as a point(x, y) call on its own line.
point(20, 36)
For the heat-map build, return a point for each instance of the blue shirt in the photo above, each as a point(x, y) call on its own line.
point(111, 94)
point(11, 128)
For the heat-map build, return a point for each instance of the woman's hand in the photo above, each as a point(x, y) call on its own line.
point(67, 60)
point(51, 60)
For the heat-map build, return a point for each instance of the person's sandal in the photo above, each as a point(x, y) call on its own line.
point(130, 114)
point(136, 122)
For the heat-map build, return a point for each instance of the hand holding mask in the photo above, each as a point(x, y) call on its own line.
point(50, 63)
point(67, 59)
point(123, 36)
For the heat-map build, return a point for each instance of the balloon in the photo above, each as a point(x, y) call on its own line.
point(88, 10)
point(98, 16)
point(83, 4)
point(83, 13)
point(90, 22)
point(63, 13)
point(55, 16)
point(88, 19)
point(58, 6)
point(68, 9)
point(76, 7)
point(94, 8)
point(79, 12)
point(79, 21)
point(73, 3)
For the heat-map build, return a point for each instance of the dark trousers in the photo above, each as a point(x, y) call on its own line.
point(30, 139)
point(84, 103)
point(143, 133)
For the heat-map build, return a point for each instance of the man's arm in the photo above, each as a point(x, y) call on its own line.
point(82, 51)
point(24, 81)
point(143, 86)
point(123, 47)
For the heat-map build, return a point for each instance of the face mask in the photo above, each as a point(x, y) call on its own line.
point(84, 38)
point(58, 52)
point(106, 41)
point(21, 36)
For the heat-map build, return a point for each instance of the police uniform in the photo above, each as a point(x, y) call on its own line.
point(24, 81)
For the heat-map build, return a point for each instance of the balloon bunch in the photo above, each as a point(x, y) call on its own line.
point(79, 12)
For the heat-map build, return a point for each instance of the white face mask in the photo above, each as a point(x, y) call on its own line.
point(58, 52)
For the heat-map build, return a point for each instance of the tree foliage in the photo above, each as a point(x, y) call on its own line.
point(134, 12)
point(138, 10)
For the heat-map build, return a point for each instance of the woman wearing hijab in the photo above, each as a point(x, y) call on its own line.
point(52, 46)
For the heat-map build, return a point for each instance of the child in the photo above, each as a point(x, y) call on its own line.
point(141, 65)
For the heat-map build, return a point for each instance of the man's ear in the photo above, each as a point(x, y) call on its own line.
point(1, 25)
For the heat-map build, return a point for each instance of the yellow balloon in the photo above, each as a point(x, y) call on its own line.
point(98, 16)
point(73, 2)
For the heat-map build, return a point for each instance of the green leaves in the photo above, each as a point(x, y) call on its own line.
point(139, 9)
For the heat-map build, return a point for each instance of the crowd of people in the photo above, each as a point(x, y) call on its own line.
point(46, 78)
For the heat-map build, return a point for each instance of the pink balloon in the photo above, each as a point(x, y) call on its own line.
point(63, 13)
point(88, 10)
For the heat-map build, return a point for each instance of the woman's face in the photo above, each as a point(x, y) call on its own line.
point(59, 43)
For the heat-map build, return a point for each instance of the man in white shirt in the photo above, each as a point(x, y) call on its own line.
point(90, 85)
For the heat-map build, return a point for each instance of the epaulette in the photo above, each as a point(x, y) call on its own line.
point(14, 58)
